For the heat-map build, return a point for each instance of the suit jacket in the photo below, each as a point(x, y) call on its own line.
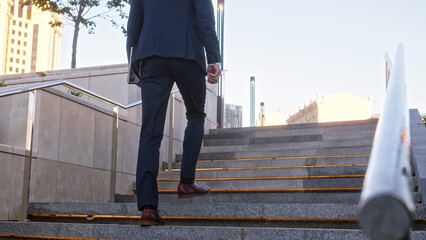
point(173, 28)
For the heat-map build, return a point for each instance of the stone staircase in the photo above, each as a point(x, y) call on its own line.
point(284, 182)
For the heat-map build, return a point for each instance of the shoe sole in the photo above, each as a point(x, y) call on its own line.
point(151, 223)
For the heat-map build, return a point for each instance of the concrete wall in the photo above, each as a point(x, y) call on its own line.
point(418, 151)
point(11, 181)
point(73, 138)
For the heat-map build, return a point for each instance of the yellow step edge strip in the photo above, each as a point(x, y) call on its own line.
point(267, 178)
point(280, 167)
point(88, 217)
point(260, 219)
point(294, 157)
point(275, 190)
point(91, 217)
point(40, 237)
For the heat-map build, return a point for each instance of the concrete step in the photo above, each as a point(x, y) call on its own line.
point(115, 231)
point(276, 162)
point(213, 211)
point(295, 129)
point(269, 144)
point(283, 153)
point(213, 140)
point(295, 197)
point(275, 184)
point(283, 184)
point(299, 135)
point(280, 171)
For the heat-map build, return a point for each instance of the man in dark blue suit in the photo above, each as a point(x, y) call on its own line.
point(170, 39)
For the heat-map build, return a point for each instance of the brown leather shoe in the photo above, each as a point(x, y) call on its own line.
point(150, 218)
point(191, 190)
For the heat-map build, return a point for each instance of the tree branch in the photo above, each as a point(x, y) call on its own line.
point(87, 11)
point(99, 15)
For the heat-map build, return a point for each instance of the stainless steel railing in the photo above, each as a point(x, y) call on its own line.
point(32, 89)
point(386, 205)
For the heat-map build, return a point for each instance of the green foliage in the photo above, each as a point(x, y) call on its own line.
point(84, 13)
point(120, 6)
point(424, 118)
point(2, 84)
point(75, 93)
point(41, 74)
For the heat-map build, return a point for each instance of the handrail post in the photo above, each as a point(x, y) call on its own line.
point(28, 154)
point(222, 100)
point(171, 130)
point(115, 120)
point(220, 35)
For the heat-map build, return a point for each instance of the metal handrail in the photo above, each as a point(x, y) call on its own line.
point(386, 204)
point(73, 87)
point(32, 89)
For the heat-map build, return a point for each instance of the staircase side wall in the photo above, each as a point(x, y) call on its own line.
point(73, 140)
point(418, 153)
point(11, 180)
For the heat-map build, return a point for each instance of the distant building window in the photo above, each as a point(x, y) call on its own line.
point(13, 31)
point(25, 44)
point(23, 62)
point(13, 40)
point(25, 34)
point(23, 71)
point(26, 24)
point(19, 42)
point(29, 11)
point(12, 10)
point(24, 53)
point(10, 69)
point(18, 51)
point(17, 70)
point(11, 59)
point(20, 24)
point(14, 22)
point(20, 9)
point(34, 49)
point(17, 60)
point(11, 50)
point(19, 33)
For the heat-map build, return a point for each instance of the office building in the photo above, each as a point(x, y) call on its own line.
point(233, 116)
point(28, 43)
point(269, 118)
point(334, 108)
point(274, 118)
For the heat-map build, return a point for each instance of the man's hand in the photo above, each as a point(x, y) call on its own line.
point(213, 73)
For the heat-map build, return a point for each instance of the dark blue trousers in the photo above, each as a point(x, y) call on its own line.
point(157, 77)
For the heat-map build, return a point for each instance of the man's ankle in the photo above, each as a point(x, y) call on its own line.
point(152, 207)
point(186, 181)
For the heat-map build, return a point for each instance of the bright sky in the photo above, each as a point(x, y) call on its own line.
point(297, 49)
